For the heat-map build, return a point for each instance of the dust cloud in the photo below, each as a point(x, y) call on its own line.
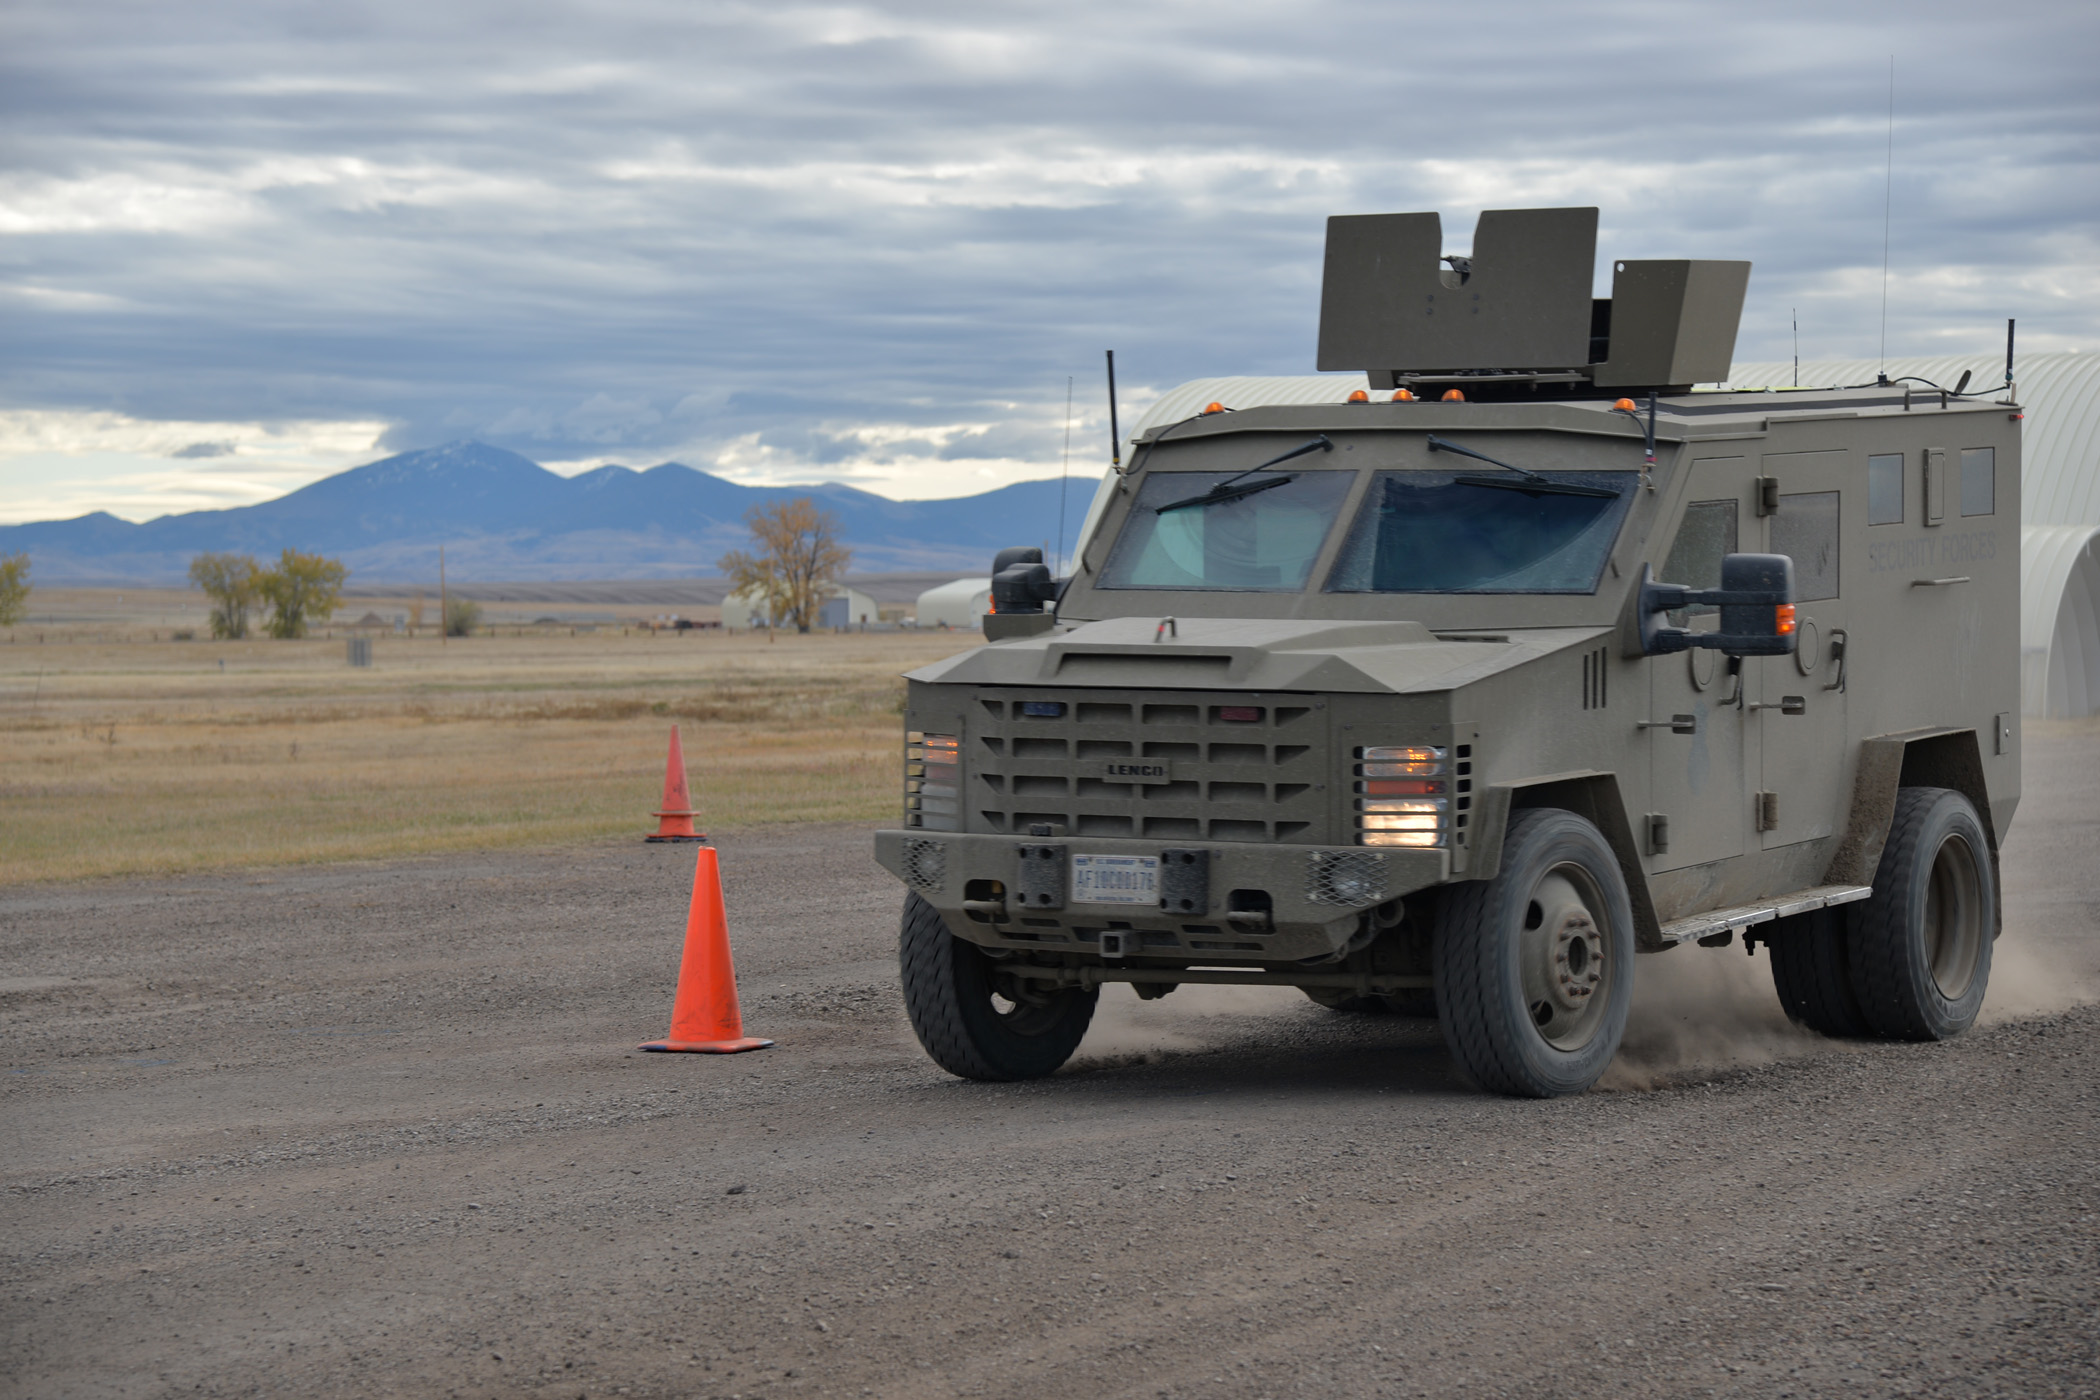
point(1703, 1008)
point(2036, 974)
point(1126, 1030)
point(2048, 958)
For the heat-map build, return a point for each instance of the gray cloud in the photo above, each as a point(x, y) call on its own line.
point(636, 227)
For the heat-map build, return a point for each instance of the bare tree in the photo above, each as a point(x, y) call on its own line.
point(231, 581)
point(302, 590)
point(14, 588)
point(798, 557)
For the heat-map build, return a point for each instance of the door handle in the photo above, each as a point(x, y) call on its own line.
point(1838, 638)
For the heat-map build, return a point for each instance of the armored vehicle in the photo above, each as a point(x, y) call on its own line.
point(1454, 696)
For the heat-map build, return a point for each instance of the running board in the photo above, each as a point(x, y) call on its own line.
point(1088, 975)
point(1719, 921)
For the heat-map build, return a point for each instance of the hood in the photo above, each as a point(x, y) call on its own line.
point(1204, 653)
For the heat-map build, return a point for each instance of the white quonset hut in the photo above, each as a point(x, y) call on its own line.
point(2059, 497)
point(961, 604)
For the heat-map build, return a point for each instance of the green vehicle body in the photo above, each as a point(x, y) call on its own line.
point(1221, 730)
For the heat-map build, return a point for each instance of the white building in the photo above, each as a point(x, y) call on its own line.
point(842, 607)
point(961, 604)
point(2059, 488)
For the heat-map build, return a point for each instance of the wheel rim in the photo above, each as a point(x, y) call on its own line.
point(1567, 965)
point(1953, 918)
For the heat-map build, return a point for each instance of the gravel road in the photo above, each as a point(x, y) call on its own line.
point(379, 1130)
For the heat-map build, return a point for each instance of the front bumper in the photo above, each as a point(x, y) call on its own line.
point(1315, 895)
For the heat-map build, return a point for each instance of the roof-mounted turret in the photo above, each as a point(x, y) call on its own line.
point(1517, 314)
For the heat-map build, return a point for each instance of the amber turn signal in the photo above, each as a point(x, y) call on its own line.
point(1783, 620)
point(1211, 408)
point(1624, 405)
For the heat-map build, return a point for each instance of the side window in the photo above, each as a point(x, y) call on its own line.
point(1979, 481)
point(1885, 489)
point(1806, 529)
point(1708, 532)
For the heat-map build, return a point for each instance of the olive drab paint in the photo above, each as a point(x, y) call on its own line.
point(1734, 789)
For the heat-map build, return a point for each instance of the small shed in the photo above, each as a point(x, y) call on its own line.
point(962, 604)
point(842, 607)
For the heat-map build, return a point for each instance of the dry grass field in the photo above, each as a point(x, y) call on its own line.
point(125, 752)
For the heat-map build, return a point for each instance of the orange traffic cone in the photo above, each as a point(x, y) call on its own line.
point(705, 1016)
point(675, 821)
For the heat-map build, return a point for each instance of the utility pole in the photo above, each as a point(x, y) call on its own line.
point(444, 603)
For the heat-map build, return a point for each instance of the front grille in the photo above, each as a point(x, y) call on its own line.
point(1181, 767)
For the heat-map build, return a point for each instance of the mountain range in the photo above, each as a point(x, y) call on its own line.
point(503, 516)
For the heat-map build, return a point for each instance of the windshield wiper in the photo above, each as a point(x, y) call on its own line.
point(1230, 489)
point(1533, 483)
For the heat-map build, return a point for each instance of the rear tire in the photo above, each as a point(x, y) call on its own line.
point(1534, 968)
point(973, 1021)
point(1812, 972)
point(1921, 946)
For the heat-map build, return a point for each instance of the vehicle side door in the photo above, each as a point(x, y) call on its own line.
point(1697, 781)
point(1803, 773)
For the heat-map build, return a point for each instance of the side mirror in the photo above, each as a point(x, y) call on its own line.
point(1021, 582)
point(1756, 599)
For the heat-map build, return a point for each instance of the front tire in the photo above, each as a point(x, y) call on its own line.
point(1921, 946)
point(974, 1022)
point(1534, 968)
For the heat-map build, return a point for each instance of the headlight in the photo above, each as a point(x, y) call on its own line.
point(1402, 796)
point(933, 781)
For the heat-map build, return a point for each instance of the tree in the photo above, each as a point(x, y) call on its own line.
point(462, 616)
point(14, 588)
point(798, 557)
point(231, 581)
point(302, 591)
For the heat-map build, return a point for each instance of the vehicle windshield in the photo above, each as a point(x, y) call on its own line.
point(1265, 540)
point(1441, 532)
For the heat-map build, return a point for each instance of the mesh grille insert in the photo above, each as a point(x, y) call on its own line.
point(1351, 879)
point(925, 863)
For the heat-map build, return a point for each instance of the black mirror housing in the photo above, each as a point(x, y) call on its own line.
point(1756, 599)
point(1021, 581)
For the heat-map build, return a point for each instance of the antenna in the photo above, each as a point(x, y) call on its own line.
point(1062, 473)
point(1888, 186)
point(2008, 352)
point(1797, 347)
point(1115, 436)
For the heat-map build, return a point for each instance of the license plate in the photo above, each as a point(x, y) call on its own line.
point(1115, 879)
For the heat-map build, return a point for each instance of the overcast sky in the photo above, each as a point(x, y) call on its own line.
point(243, 245)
